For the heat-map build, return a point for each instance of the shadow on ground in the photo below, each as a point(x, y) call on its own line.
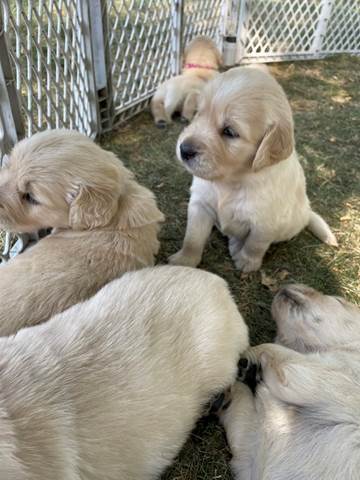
point(325, 98)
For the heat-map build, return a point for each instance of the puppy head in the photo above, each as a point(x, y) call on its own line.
point(308, 320)
point(61, 179)
point(244, 124)
point(202, 50)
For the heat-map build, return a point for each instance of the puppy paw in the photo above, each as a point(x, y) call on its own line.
point(247, 264)
point(249, 372)
point(185, 260)
point(161, 123)
point(219, 403)
point(235, 245)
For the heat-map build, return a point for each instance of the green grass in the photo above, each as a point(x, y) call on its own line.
point(325, 98)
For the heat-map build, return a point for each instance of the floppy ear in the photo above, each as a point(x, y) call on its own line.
point(276, 145)
point(95, 204)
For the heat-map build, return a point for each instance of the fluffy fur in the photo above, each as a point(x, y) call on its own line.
point(201, 62)
point(247, 177)
point(104, 224)
point(110, 388)
point(303, 423)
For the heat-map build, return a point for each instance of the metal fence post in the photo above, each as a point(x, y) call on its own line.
point(84, 12)
point(101, 57)
point(11, 130)
point(244, 14)
point(177, 14)
point(11, 124)
point(326, 7)
point(231, 12)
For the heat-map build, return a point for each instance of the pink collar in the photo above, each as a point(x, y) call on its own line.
point(197, 65)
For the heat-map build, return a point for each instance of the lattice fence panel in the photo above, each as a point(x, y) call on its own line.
point(343, 29)
point(203, 17)
point(274, 28)
point(140, 45)
point(46, 43)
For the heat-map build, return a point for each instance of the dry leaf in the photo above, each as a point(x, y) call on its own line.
point(273, 283)
point(269, 282)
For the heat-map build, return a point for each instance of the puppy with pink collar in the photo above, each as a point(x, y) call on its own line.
point(202, 60)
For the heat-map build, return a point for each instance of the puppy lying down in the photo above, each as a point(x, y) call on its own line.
point(302, 422)
point(110, 388)
point(104, 224)
point(247, 178)
point(202, 60)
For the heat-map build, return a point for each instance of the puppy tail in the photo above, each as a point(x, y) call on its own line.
point(321, 229)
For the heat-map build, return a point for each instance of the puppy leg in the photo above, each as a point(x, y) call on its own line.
point(158, 111)
point(199, 225)
point(249, 257)
point(240, 421)
point(190, 106)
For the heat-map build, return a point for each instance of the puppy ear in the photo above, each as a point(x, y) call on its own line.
point(94, 205)
point(276, 145)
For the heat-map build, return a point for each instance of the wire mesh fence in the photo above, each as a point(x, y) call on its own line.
point(88, 64)
point(274, 30)
point(48, 50)
point(140, 42)
point(145, 43)
point(203, 17)
point(343, 28)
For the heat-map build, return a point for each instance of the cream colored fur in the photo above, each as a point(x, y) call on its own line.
point(247, 177)
point(181, 92)
point(303, 423)
point(111, 388)
point(104, 224)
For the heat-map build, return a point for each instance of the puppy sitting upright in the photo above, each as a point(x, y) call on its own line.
point(104, 224)
point(201, 62)
point(247, 177)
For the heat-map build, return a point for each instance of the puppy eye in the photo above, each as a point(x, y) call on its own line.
point(30, 199)
point(229, 132)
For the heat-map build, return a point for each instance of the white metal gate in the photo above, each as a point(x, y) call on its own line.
point(275, 30)
point(49, 47)
point(86, 64)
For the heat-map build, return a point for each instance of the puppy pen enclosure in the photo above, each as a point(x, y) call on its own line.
point(89, 64)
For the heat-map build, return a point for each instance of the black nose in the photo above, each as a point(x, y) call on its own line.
point(187, 151)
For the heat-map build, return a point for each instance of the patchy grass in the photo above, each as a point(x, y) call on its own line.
point(2, 240)
point(325, 98)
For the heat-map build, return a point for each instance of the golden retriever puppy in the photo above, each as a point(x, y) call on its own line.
point(302, 420)
point(111, 388)
point(202, 60)
point(104, 224)
point(247, 177)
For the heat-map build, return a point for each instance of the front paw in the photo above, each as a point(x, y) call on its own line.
point(235, 246)
point(184, 259)
point(247, 264)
